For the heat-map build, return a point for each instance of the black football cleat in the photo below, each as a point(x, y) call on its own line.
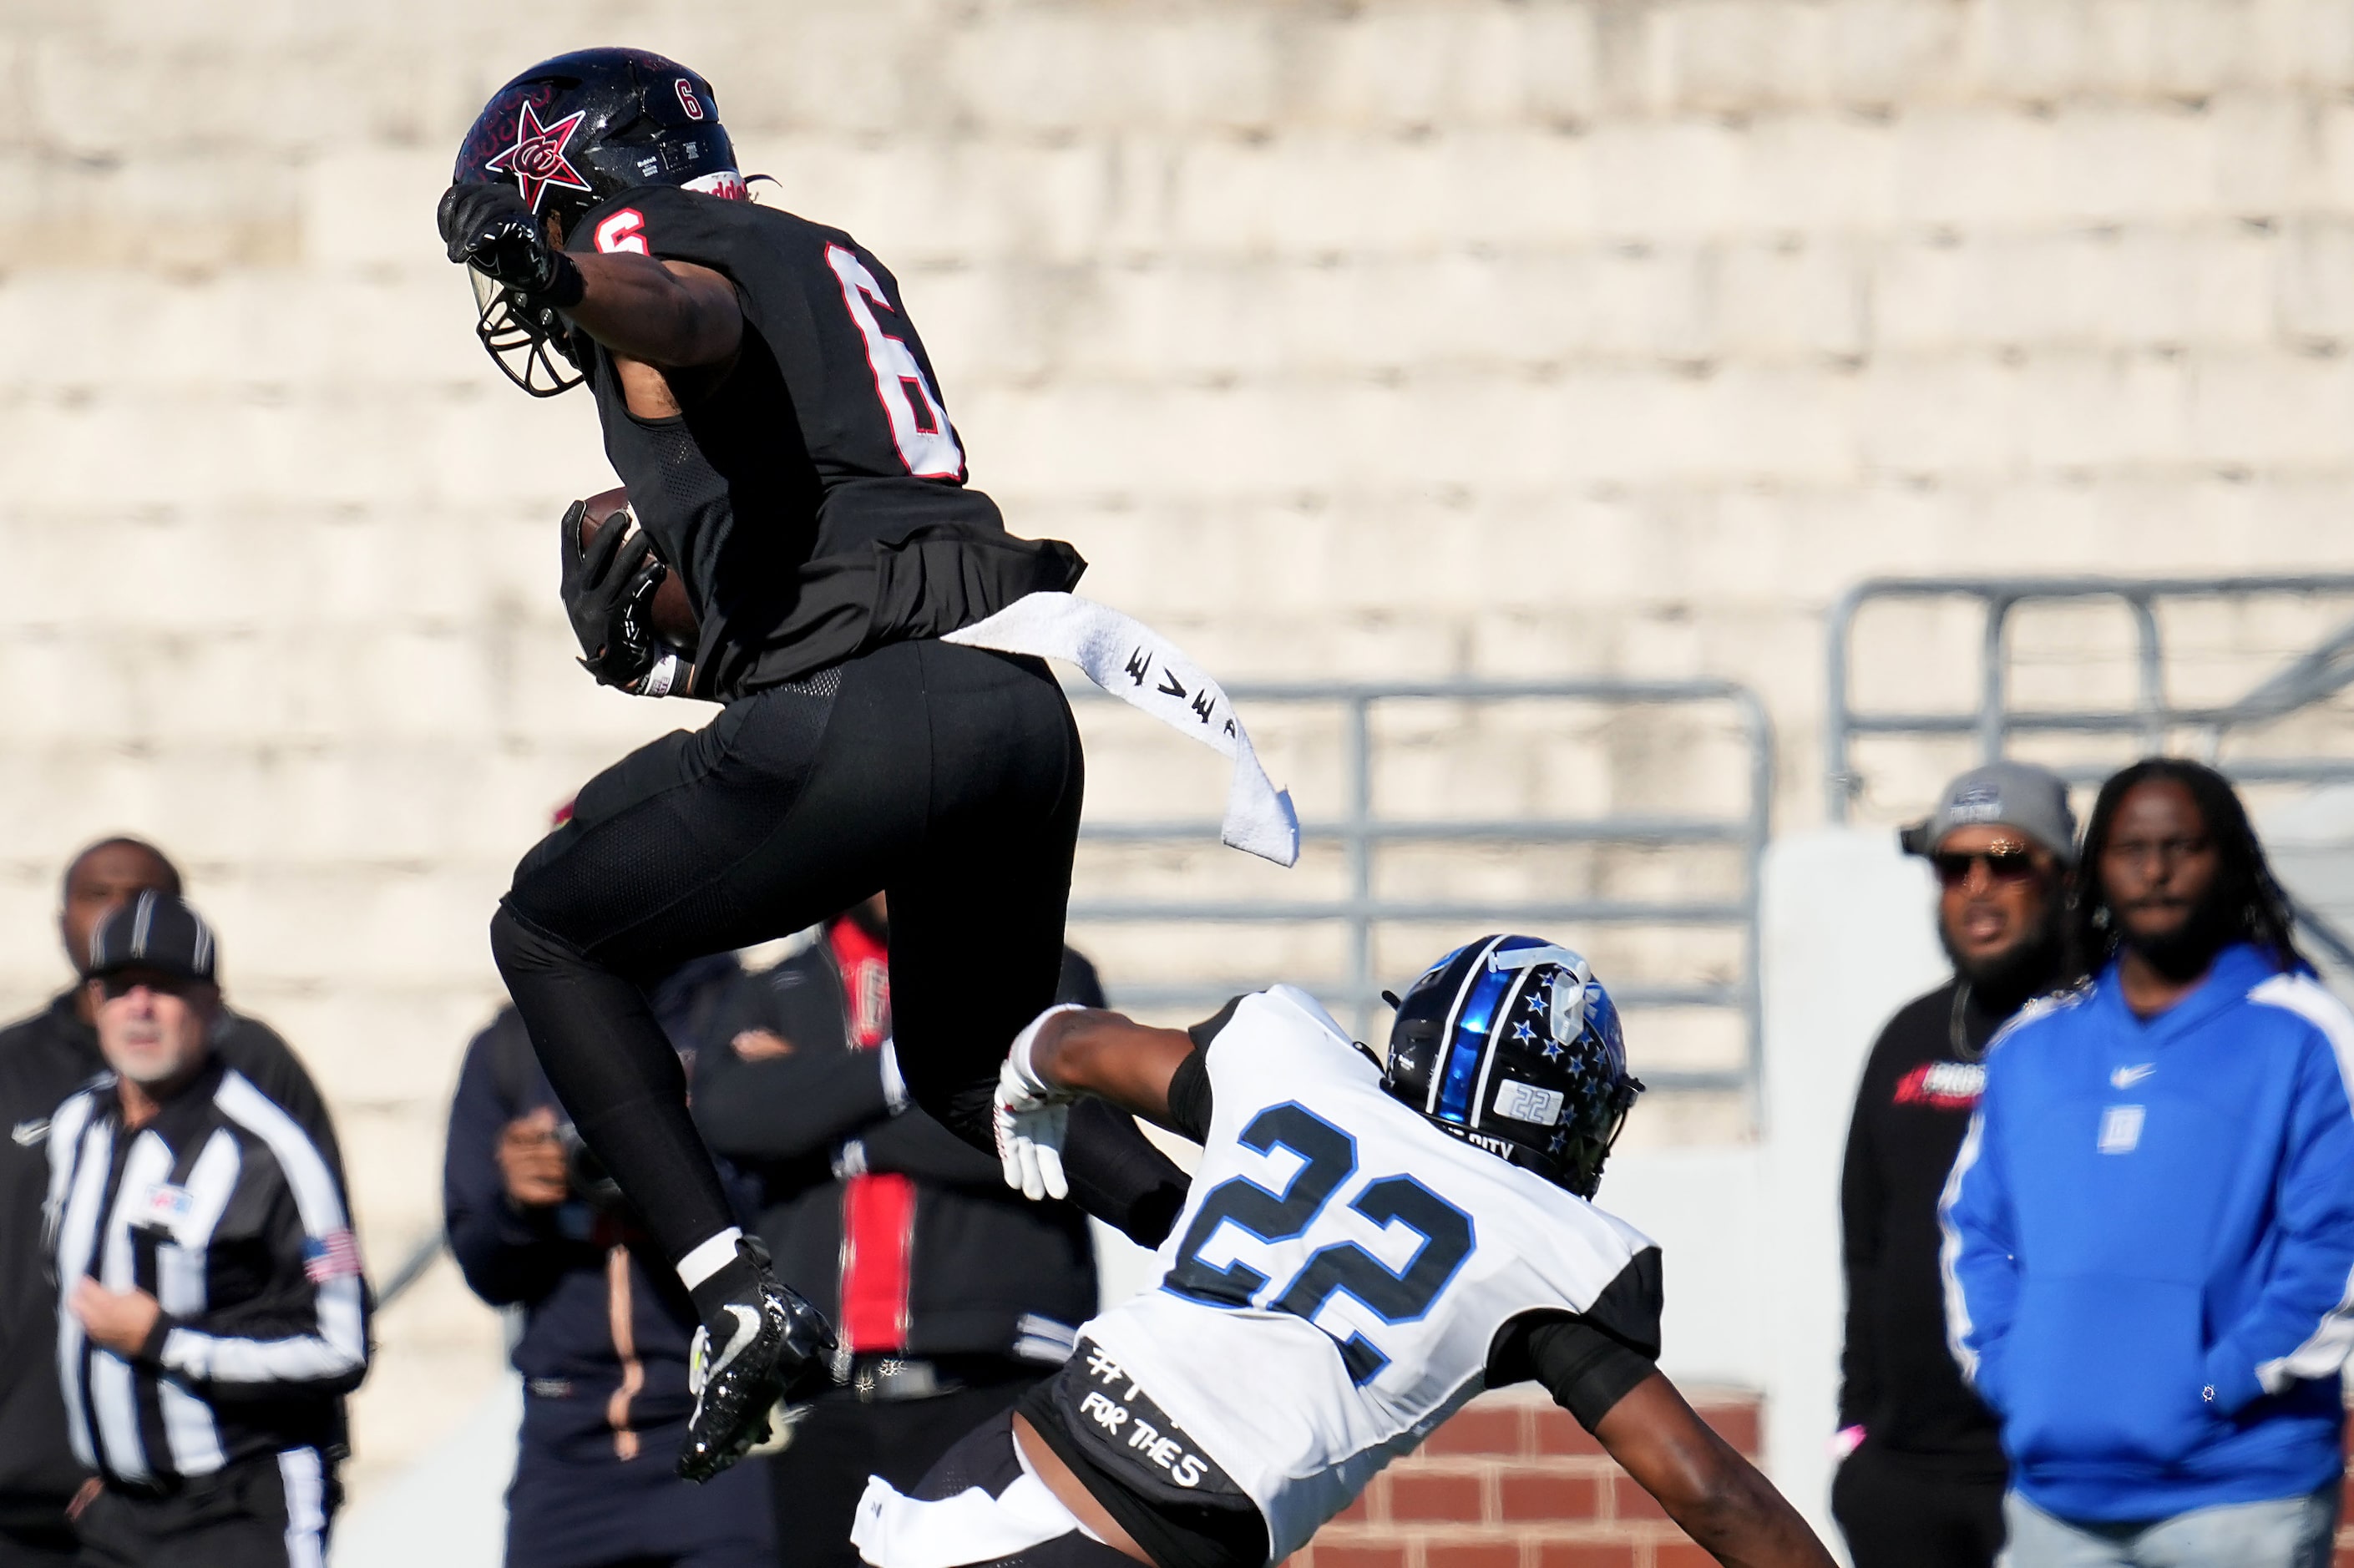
point(776, 1345)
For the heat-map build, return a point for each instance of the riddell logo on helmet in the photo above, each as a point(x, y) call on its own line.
point(536, 160)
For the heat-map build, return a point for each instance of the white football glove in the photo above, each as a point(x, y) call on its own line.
point(1031, 1117)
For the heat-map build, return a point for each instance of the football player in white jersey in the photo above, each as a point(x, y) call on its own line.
point(1365, 1247)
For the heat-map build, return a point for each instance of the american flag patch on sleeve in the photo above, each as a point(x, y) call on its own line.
point(330, 1256)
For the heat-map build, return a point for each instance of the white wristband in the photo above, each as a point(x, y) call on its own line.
point(1019, 1054)
point(658, 680)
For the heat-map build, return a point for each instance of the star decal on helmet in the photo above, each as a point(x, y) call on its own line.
point(1523, 1032)
point(536, 160)
point(1553, 1049)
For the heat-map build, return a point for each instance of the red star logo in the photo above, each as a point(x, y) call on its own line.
point(536, 160)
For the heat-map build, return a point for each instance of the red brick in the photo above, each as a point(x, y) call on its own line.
point(1434, 1497)
point(1533, 1496)
point(1358, 1512)
point(1680, 1555)
point(1472, 1553)
point(1489, 1429)
point(1587, 1555)
point(1737, 1424)
point(1360, 1556)
point(1628, 1500)
point(1559, 1432)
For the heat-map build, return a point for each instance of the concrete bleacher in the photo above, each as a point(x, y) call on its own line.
point(1405, 338)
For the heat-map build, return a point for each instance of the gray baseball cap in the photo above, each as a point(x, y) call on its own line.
point(2013, 794)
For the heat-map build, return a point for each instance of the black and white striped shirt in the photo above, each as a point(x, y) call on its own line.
point(224, 1210)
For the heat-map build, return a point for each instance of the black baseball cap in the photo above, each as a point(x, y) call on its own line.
point(152, 931)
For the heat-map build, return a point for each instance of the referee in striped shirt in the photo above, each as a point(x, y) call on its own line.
point(211, 1315)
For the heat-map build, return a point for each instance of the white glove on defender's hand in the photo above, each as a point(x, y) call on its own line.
point(1031, 1116)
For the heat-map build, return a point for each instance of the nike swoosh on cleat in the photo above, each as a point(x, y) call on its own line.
point(747, 1329)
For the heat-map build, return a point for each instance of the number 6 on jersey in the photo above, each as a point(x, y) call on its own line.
point(919, 426)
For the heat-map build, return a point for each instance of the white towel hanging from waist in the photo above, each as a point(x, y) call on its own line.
point(1145, 670)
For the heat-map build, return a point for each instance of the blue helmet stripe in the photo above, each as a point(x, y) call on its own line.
point(1484, 993)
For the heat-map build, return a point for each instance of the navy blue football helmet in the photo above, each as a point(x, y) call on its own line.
point(1511, 1044)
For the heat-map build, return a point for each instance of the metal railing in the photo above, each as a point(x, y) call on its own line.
point(2311, 677)
point(1362, 831)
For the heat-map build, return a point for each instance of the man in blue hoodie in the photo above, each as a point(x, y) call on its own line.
point(2149, 1247)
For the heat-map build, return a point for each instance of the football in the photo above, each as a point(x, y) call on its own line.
point(674, 614)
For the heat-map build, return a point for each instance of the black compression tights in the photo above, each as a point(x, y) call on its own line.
point(947, 776)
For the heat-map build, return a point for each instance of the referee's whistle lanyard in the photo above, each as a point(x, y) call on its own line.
point(1145, 670)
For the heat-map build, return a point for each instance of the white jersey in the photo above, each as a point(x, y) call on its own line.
point(1333, 1288)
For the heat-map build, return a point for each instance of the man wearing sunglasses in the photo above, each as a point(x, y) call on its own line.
point(1922, 1482)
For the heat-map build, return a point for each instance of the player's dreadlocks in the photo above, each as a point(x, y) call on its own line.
point(2246, 902)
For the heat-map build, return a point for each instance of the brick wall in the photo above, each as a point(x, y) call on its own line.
point(1514, 1482)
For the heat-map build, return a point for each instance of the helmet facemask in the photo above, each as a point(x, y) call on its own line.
point(530, 343)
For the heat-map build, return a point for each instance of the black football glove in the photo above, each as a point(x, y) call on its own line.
point(609, 592)
point(488, 227)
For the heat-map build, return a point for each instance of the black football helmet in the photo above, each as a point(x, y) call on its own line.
point(571, 132)
point(1511, 1044)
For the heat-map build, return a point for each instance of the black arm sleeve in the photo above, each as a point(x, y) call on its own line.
point(1189, 1099)
point(1586, 1371)
point(1588, 1361)
point(1188, 1091)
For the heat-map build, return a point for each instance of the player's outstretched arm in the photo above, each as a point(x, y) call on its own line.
point(1717, 1496)
point(1090, 1051)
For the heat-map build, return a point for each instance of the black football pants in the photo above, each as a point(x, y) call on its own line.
point(947, 776)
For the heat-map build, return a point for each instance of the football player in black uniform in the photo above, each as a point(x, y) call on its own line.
point(776, 420)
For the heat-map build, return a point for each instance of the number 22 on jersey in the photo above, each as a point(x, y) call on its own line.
point(1328, 1158)
point(919, 426)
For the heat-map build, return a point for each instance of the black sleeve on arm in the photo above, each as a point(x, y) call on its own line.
point(1189, 1099)
point(1588, 1361)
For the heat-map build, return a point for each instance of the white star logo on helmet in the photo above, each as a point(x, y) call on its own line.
point(536, 160)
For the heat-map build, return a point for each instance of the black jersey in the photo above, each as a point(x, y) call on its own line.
point(814, 501)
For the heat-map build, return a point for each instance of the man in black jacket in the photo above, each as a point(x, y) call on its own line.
point(1922, 1482)
point(949, 1295)
point(603, 1352)
point(43, 1059)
